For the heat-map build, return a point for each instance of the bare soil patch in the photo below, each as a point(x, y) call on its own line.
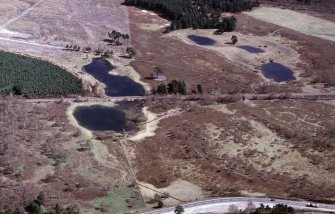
point(180, 189)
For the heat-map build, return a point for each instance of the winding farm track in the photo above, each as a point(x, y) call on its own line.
point(30, 43)
point(25, 12)
point(221, 205)
point(218, 98)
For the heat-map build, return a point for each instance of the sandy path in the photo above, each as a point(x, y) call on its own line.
point(151, 125)
point(30, 43)
point(21, 15)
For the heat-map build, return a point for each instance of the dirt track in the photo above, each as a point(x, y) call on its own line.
point(219, 97)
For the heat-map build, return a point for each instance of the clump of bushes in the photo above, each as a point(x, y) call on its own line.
point(174, 87)
point(177, 87)
point(37, 207)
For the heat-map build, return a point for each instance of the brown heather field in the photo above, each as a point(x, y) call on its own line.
point(279, 148)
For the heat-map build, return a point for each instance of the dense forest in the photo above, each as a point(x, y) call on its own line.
point(31, 77)
point(288, 1)
point(203, 14)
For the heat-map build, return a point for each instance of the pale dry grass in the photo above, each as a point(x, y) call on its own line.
point(300, 22)
point(274, 47)
point(181, 189)
point(149, 127)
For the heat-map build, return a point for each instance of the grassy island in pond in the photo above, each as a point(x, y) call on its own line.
point(32, 77)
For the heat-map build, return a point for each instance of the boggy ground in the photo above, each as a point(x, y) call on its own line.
point(180, 61)
point(42, 152)
point(230, 69)
point(274, 148)
point(317, 56)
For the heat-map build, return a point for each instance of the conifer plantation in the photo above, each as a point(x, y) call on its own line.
point(203, 14)
point(27, 76)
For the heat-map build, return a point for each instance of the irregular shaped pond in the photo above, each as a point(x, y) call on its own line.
point(251, 49)
point(101, 118)
point(277, 72)
point(200, 40)
point(115, 85)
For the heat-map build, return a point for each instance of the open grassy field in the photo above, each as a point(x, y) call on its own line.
point(300, 22)
point(64, 21)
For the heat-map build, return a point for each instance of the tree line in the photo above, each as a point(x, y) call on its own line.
point(176, 87)
point(37, 207)
point(27, 76)
point(304, 1)
point(290, 1)
point(203, 14)
point(252, 209)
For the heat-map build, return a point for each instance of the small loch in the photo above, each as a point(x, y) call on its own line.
point(277, 72)
point(101, 118)
point(116, 85)
point(251, 49)
point(201, 40)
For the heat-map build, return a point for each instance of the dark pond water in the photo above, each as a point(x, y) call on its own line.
point(115, 85)
point(200, 40)
point(101, 118)
point(251, 49)
point(277, 72)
